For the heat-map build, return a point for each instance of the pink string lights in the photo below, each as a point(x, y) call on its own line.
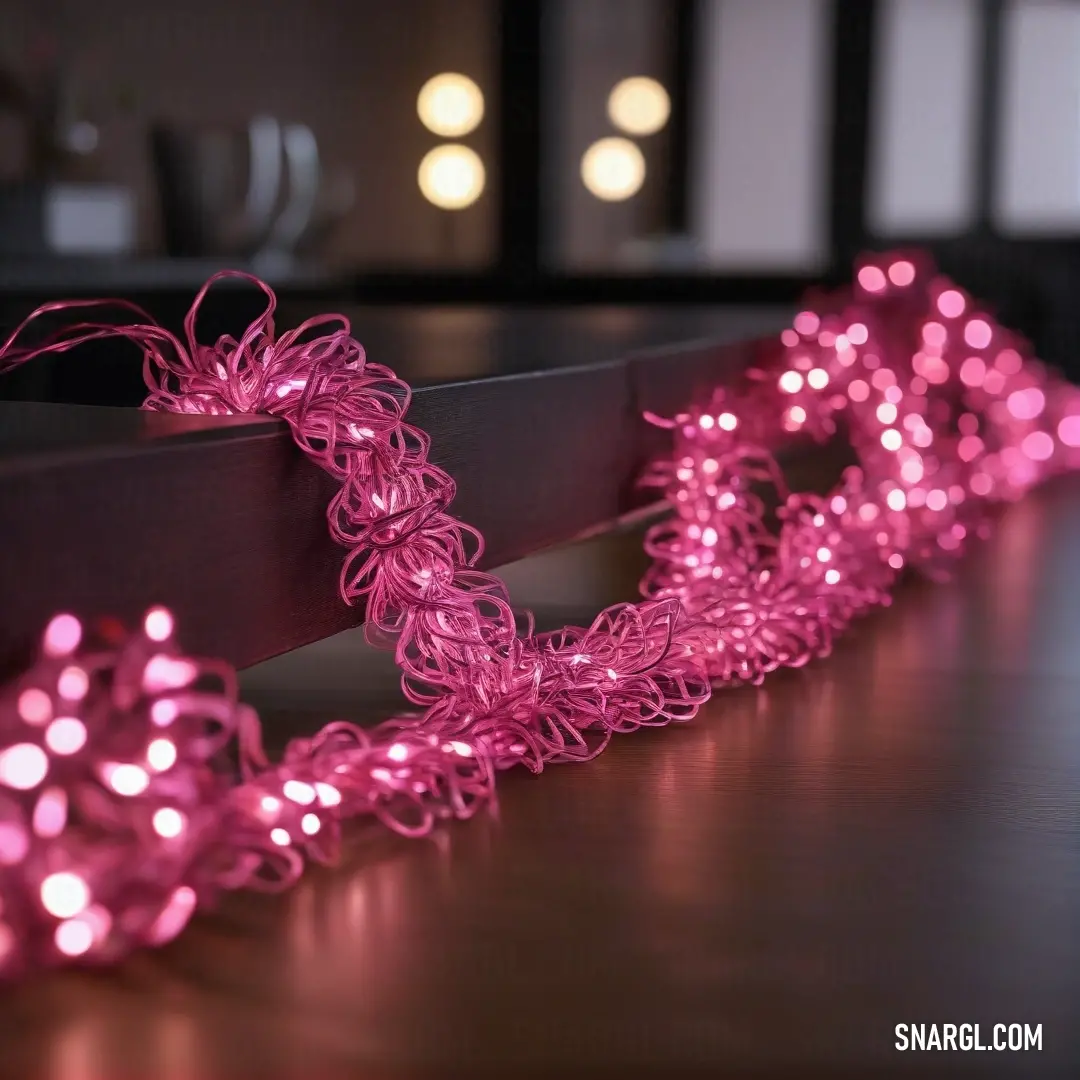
point(119, 811)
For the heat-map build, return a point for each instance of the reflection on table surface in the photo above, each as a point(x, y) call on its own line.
point(890, 835)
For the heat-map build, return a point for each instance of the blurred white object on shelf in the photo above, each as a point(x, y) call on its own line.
point(89, 219)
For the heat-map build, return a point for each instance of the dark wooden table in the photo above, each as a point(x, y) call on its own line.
point(426, 344)
point(889, 836)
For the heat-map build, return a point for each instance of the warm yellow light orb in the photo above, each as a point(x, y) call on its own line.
point(451, 176)
point(450, 105)
point(639, 106)
point(613, 169)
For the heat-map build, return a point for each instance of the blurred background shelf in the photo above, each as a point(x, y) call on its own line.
point(59, 277)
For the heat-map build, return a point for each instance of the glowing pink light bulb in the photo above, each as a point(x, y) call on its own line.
point(65, 735)
point(978, 334)
point(14, 843)
point(934, 334)
point(161, 754)
point(1026, 404)
point(35, 706)
point(935, 370)
point(1069, 430)
point(973, 371)
point(62, 635)
point(164, 712)
point(791, 382)
point(165, 673)
point(871, 279)
point(158, 624)
point(74, 937)
point(328, 794)
point(64, 894)
point(298, 792)
point(168, 822)
point(951, 304)
point(73, 684)
point(126, 779)
point(50, 813)
point(23, 766)
point(911, 472)
point(1039, 446)
point(1008, 362)
point(882, 379)
point(902, 273)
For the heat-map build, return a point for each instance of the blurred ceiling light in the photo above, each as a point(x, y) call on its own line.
point(450, 105)
point(451, 176)
point(639, 106)
point(613, 169)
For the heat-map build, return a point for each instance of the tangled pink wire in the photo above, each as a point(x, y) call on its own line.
point(117, 816)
